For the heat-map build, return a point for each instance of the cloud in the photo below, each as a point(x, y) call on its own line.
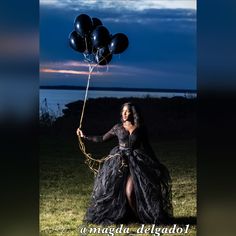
point(153, 16)
point(70, 64)
point(67, 68)
point(72, 72)
point(159, 19)
point(134, 5)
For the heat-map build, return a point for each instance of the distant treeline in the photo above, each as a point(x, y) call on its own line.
point(65, 87)
point(165, 118)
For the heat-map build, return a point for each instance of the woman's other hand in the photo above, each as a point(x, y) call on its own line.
point(79, 133)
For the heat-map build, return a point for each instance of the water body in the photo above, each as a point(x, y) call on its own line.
point(55, 100)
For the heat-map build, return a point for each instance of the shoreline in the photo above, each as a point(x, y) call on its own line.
point(119, 89)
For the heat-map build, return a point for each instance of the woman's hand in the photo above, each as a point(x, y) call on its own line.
point(79, 133)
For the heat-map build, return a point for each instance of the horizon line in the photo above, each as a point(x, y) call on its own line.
point(75, 87)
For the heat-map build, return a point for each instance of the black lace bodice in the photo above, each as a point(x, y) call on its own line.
point(136, 140)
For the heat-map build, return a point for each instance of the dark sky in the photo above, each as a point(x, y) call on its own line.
point(162, 43)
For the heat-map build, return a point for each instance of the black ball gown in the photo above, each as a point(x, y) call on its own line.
point(152, 186)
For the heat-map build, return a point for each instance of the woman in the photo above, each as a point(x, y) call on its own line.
point(131, 185)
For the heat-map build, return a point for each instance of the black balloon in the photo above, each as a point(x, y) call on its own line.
point(83, 25)
point(103, 56)
point(91, 37)
point(77, 42)
point(100, 37)
point(96, 22)
point(118, 44)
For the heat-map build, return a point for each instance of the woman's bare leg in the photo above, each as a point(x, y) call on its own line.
point(130, 193)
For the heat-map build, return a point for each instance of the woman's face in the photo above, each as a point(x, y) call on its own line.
point(125, 113)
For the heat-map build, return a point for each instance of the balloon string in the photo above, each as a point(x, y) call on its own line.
point(86, 95)
point(91, 68)
point(93, 164)
point(87, 87)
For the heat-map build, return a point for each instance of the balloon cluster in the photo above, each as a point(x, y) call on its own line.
point(93, 39)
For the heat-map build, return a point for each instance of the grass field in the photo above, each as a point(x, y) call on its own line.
point(66, 184)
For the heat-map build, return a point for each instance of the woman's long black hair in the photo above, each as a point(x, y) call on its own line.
point(135, 116)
